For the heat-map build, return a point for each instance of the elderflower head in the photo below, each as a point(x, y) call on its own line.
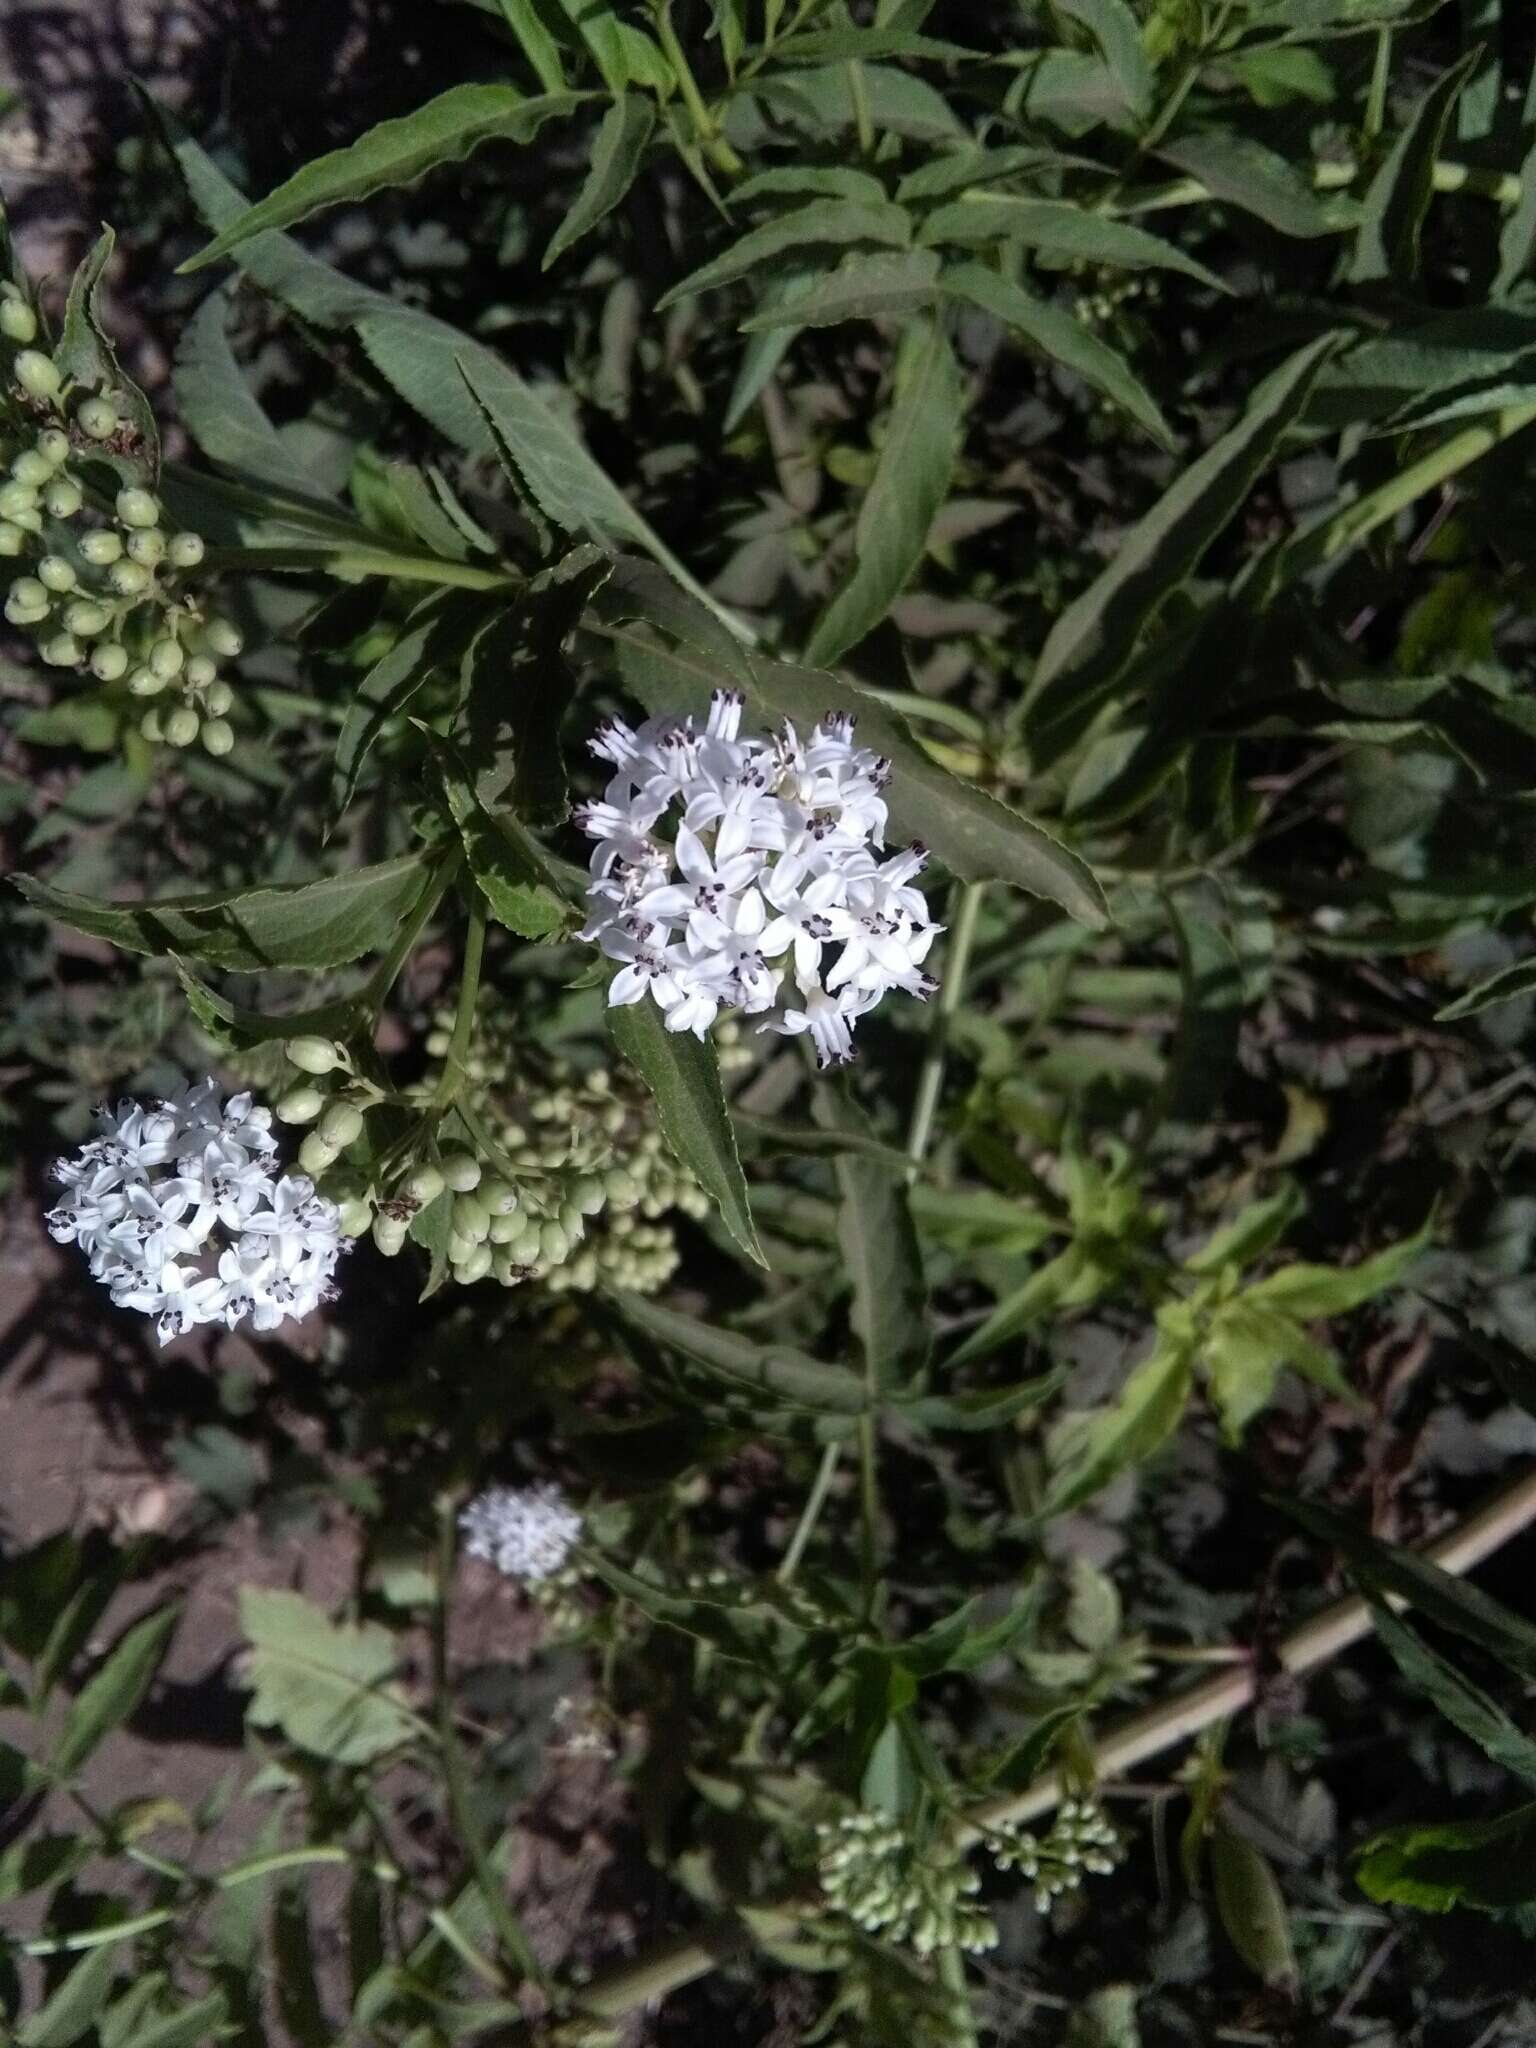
point(182, 1215)
point(773, 865)
point(527, 1532)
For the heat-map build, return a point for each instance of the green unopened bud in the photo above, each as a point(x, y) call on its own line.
point(313, 1055)
point(423, 1185)
point(218, 736)
point(181, 726)
point(200, 673)
point(36, 374)
point(186, 550)
point(62, 498)
point(356, 1216)
point(87, 618)
point(317, 1154)
point(150, 725)
point(26, 590)
point(471, 1218)
point(166, 659)
point(217, 697)
point(53, 445)
point(98, 419)
point(389, 1235)
point(100, 549)
point(18, 322)
point(109, 663)
point(31, 468)
point(128, 579)
point(31, 522)
point(15, 499)
point(342, 1122)
point(54, 573)
point(475, 1267)
point(223, 637)
point(498, 1194)
point(63, 650)
point(505, 1229)
point(147, 545)
point(145, 683)
point(461, 1172)
point(12, 538)
point(137, 507)
point(301, 1105)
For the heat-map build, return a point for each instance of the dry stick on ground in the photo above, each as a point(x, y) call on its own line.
point(1148, 1734)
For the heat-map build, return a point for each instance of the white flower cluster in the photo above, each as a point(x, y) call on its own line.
point(773, 863)
point(1081, 1841)
point(527, 1532)
point(182, 1216)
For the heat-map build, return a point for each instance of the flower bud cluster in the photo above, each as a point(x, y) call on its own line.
point(103, 583)
point(182, 1214)
point(1081, 1843)
point(869, 1869)
point(582, 1181)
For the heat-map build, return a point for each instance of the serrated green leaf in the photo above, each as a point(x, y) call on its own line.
point(324, 1684)
point(1397, 199)
point(1118, 34)
point(1059, 229)
point(86, 356)
point(71, 2010)
point(528, 890)
point(299, 924)
point(837, 221)
point(218, 407)
point(976, 836)
point(432, 640)
point(1094, 639)
point(683, 1076)
point(981, 1408)
point(1089, 1448)
point(860, 288)
point(1489, 1865)
point(1481, 1719)
point(114, 1692)
point(616, 157)
point(1060, 337)
point(815, 181)
point(911, 482)
point(1244, 173)
point(394, 152)
point(1507, 986)
point(1306, 1291)
point(776, 1369)
point(820, 99)
point(193, 2027)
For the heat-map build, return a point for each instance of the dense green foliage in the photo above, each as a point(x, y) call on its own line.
point(1120, 408)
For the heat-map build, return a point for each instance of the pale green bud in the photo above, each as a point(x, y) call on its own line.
point(424, 1184)
point(54, 573)
point(217, 698)
point(128, 579)
point(145, 683)
point(313, 1055)
point(218, 736)
point(343, 1121)
point(12, 538)
point(87, 618)
point(36, 374)
point(471, 1218)
point(98, 419)
point(506, 1229)
point(109, 663)
point(389, 1235)
point(316, 1154)
point(186, 550)
point(181, 726)
point(150, 725)
point(166, 659)
point(300, 1105)
point(63, 498)
point(356, 1216)
point(16, 498)
point(53, 445)
point(137, 507)
point(200, 673)
point(62, 651)
point(475, 1267)
point(31, 468)
point(461, 1172)
point(101, 548)
point(18, 322)
point(26, 590)
point(223, 637)
point(147, 546)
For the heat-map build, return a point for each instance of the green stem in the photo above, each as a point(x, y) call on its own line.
point(383, 978)
point(809, 1514)
point(705, 126)
point(952, 1977)
point(869, 1493)
point(1376, 96)
point(863, 122)
point(1502, 187)
point(452, 1079)
point(347, 560)
point(930, 1081)
point(492, 1888)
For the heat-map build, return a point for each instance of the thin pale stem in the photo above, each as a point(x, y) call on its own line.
point(810, 1514)
point(464, 1019)
point(930, 1081)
